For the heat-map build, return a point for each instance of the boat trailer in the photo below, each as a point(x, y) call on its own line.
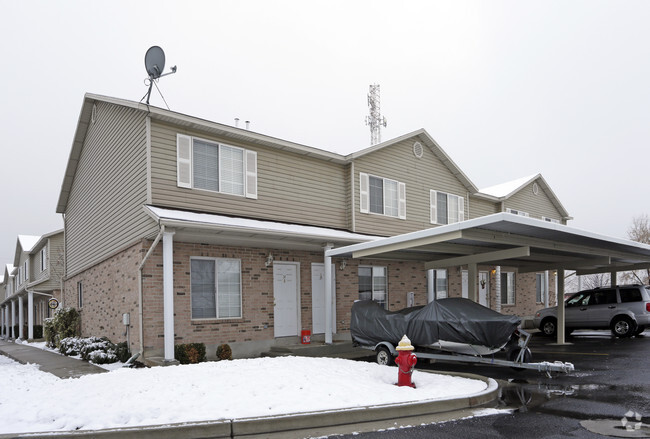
point(519, 357)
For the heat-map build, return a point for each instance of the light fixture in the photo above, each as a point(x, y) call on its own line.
point(494, 271)
point(269, 259)
point(343, 264)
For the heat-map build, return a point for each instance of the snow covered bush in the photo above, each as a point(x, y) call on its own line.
point(95, 349)
point(64, 324)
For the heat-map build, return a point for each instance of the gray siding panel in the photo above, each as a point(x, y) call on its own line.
point(536, 205)
point(104, 211)
point(479, 207)
point(397, 162)
point(291, 188)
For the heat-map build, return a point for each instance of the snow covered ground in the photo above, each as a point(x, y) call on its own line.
point(32, 401)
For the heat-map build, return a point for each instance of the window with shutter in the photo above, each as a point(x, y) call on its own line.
point(446, 208)
point(382, 196)
point(216, 167)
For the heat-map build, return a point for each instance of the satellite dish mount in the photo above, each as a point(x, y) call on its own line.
point(154, 62)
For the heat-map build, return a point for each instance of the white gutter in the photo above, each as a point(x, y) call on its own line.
point(140, 292)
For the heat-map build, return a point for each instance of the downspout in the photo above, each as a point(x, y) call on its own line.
point(353, 199)
point(64, 274)
point(140, 292)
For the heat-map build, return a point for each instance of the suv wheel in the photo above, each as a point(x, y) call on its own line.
point(623, 326)
point(549, 326)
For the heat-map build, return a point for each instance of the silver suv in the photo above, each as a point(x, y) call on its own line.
point(624, 309)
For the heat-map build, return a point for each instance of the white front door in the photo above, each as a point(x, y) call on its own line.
point(318, 298)
point(483, 287)
point(465, 284)
point(286, 317)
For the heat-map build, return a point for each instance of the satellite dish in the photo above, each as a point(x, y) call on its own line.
point(154, 62)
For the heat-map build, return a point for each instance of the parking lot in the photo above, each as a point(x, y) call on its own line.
point(611, 379)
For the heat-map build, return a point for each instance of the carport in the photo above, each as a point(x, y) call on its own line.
point(502, 239)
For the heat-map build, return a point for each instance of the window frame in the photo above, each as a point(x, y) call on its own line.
point(43, 253)
point(505, 298)
point(365, 204)
point(216, 289)
point(185, 167)
point(372, 268)
point(80, 294)
point(459, 214)
point(517, 212)
point(541, 288)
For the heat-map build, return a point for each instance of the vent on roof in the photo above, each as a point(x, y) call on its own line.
point(535, 189)
point(418, 150)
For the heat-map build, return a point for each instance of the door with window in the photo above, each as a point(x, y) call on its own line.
point(286, 314)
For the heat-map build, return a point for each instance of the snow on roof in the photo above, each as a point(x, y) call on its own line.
point(27, 242)
point(507, 188)
point(257, 225)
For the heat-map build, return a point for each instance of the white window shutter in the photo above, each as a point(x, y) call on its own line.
point(251, 174)
point(461, 209)
point(364, 193)
point(183, 161)
point(402, 200)
point(433, 199)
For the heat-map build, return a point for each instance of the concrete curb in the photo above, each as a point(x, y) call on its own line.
point(298, 424)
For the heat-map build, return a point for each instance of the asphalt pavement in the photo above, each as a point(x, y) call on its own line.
point(608, 394)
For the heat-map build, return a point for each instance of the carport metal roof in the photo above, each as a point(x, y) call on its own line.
point(527, 244)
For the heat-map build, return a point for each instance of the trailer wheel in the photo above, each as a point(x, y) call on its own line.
point(514, 353)
point(384, 357)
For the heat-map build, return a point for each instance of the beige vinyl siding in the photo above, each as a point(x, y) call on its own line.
point(535, 205)
point(397, 162)
point(291, 187)
point(104, 211)
point(479, 207)
point(50, 278)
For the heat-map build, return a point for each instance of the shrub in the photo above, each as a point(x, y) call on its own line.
point(95, 349)
point(224, 352)
point(50, 334)
point(64, 324)
point(189, 353)
point(38, 331)
point(122, 352)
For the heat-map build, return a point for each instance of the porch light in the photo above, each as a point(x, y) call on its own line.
point(269, 259)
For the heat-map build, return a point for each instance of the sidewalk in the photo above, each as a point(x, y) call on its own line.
point(59, 365)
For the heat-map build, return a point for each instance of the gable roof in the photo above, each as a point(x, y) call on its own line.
point(43, 239)
point(428, 141)
point(24, 243)
point(503, 191)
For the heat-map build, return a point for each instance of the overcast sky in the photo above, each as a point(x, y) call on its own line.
point(507, 88)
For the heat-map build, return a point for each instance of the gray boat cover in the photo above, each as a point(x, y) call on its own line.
point(453, 319)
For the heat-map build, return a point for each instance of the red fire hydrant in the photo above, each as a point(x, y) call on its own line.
point(406, 362)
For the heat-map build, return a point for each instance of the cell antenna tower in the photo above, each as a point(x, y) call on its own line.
point(375, 121)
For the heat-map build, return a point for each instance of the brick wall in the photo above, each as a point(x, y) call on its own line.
point(110, 289)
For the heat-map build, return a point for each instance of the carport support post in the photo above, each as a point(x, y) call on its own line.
point(13, 318)
point(168, 293)
point(612, 279)
point(30, 315)
point(328, 294)
point(472, 291)
point(560, 306)
point(21, 318)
